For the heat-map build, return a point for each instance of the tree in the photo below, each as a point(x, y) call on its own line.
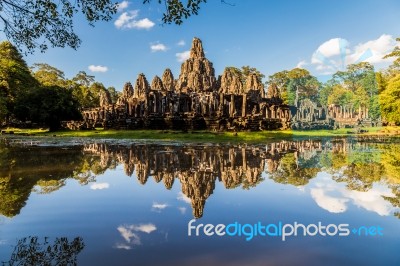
point(176, 11)
point(47, 106)
point(390, 101)
point(48, 75)
point(37, 23)
point(293, 81)
point(15, 78)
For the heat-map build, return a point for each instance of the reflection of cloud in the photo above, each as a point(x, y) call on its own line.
point(130, 233)
point(123, 246)
point(183, 197)
point(331, 204)
point(100, 186)
point(2, 242)
point(159, 206)
point(182, 210)
point(372, 200)
point(334, 197)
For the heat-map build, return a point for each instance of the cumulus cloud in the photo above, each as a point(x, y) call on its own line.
point(129, 20)
point(99, 186)
point(181, 57)
point(98, 68)
point(158, 47)
point(123, 5)
point(181, 43)
point(336, 53)
point(183, 198)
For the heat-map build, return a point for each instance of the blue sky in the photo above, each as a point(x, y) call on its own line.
point(321, 36)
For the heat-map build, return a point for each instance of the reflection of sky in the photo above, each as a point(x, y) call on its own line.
point(131, 234)
point(335, 197)
point(120, 225)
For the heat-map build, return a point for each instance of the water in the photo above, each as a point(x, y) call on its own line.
point(123, 203)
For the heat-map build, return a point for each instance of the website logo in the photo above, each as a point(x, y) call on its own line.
point(281, 230)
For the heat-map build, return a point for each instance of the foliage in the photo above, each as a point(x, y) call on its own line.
point(47, 106)
point(31, 251)
point(295, 84)
point(48, 75)
point(37, 23)
point(176, 11)
point(15, 78)
point(389, 101)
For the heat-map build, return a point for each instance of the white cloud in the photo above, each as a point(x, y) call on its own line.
point(159, 206)
point(181, 43)
point(128, 20)
point(374, 50)
point(98, 68)
point(181, 57)
point(183, 198)
point(123, 5)
point(3, 242)
point(301, 64)
point(335, 54)
point(99, 186)
point(158, 47)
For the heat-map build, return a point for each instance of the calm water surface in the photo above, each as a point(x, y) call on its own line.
point(125, 203)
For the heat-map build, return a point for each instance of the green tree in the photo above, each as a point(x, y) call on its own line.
point(15, 78)
point(47, 106)
point(340, 96)
point(297, 81)
point(48, 75)
point(37, 23)
point(389, 101)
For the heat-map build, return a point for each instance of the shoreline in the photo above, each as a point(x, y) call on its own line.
point(207, 136)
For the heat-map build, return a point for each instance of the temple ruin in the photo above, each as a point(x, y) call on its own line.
point(197, 100)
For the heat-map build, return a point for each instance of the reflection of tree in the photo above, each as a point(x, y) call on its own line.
point(31, 251)
point(361, 176)
point(289, 171)
point(196, 167)
point(24, 168)
point(390, 160)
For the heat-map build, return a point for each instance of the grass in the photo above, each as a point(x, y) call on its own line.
point(170, 135)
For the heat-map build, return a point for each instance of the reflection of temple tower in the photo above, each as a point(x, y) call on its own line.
point(198, 167)
point(197, 186)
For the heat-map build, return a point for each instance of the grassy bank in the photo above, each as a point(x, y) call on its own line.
point(206, 135)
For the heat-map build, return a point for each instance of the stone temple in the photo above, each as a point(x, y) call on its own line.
point(197, 99)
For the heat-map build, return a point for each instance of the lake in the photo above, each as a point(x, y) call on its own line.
point(329, 201)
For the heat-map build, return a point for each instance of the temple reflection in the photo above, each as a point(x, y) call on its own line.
point(198, 167)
